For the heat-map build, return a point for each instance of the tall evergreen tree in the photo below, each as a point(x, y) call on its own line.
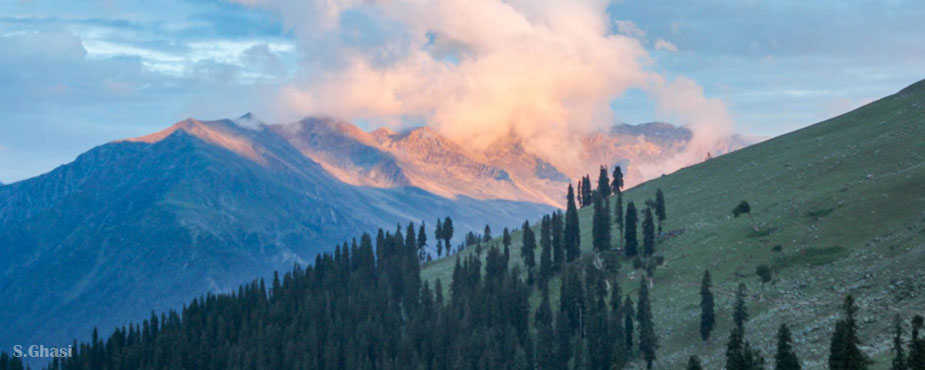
point(786, 358)
point(447, 233)
point(899, 355)
point(628, 314)
point(438, 235)
point(600, 223)
point(660, 208)
point(648, 342)
point(486, 235)
point(422, 242)
point(506, 241)
point(586, 196)
point(545, 251)
point(740, 309)
point(618, 332)
point(563, 341)
point(603, 184)
point(528, 245)
point(917, 345)
point(558, 251)
point(618, 214)
point(845, 352)
point(707, 316)
point(648, 234)
point(572, 237)
point(616, 184)
point(630, 245)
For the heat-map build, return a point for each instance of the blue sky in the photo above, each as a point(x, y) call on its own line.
point(76, 74)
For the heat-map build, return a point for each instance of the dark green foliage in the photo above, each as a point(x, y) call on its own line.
point(603, 184)
point(447, 233)
point(422, 243)
point(438, 235)
point(917, 345)
point(740, 310)
point(744, 208)
point(506, 238)
point(740, 355)
point(693, 363)
point(600, 223)
point(528, 245)
point(648, 234)
point(845, 352)
point(899, 355)
point(546, 340)
point(586, 194)
point(546, 250)
point(763, 272)
point(618, 214)
point(572, 242)
point(10, 363)
point(563, 348)
point(660, 208)
point(618, 332)
point(648, 342)
point(786, 358)
point(707, 315)
point(486, 235)
point(616, 184)
point(628, 314)
point(630, 245)
point(558, 250)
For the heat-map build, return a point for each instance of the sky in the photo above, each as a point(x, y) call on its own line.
point(77, 74)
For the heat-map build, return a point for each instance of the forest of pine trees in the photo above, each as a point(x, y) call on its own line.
point(365, 306)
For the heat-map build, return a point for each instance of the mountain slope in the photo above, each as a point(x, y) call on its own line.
point(844, 200)
point(148, 223)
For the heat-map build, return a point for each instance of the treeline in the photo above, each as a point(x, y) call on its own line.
point(365, 306)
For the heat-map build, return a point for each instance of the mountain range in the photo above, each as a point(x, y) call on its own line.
point(147, 223)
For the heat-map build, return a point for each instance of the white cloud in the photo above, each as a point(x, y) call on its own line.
point(630, 29)
point(662, 44)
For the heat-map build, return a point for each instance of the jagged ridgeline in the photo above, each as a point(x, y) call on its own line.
point(813, 241)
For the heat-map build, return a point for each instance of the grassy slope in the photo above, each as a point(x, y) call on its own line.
point(845, 198)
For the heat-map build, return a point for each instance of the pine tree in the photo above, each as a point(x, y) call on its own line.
point(422, 243)
point(486, 235)
point(660, 208)
point(707, 316)
point(616, 184)
point(506, 238)
point(631, 244)
point(740, 310)
point(546, 251)
point(563, 341)
point(648, 234)
point(917, 345)
point(693, 363)
point(600, 223)
point(572, 237)
point(558, 251)
point(618, 214)
point(618, 332)
point(628, 314)
point(648, 342)
point(447, 233)
point(899, 355)
point(786, 358)
point(845, 352)
point(528, 245)
point(603, 184)
point(586, 191)
point(546, 341)
point(438, 235)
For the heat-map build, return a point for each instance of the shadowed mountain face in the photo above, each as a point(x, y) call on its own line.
point(148, 223)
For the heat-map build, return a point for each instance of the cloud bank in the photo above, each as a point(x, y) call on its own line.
point(479, 71)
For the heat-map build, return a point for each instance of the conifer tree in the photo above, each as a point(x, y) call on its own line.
point(917, 345)
point(422, 243)
point(740, 310)
point(648, 234)
point(586, 191)
point(616, 184)
point(618, 213)
point(600, 224)
point(563, 341)
point(546, 340)
point(660, 208)
point(545, 251)
point(438, 235)
point(786, 358)
point(899, 355)
point(528, 245)
point(631, 244)
point(558, 251)
point(618, 332)
point(572, 240)
point(707, 316)
point(648, 342)
point(845, 352)
point(603, 184)
point(628, 315)
point(506, 241)
point(447, 233)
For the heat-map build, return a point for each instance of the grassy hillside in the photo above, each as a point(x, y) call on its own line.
point(845, 200)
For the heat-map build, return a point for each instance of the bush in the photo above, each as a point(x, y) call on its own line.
point(659, 260)
point(777, 248)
